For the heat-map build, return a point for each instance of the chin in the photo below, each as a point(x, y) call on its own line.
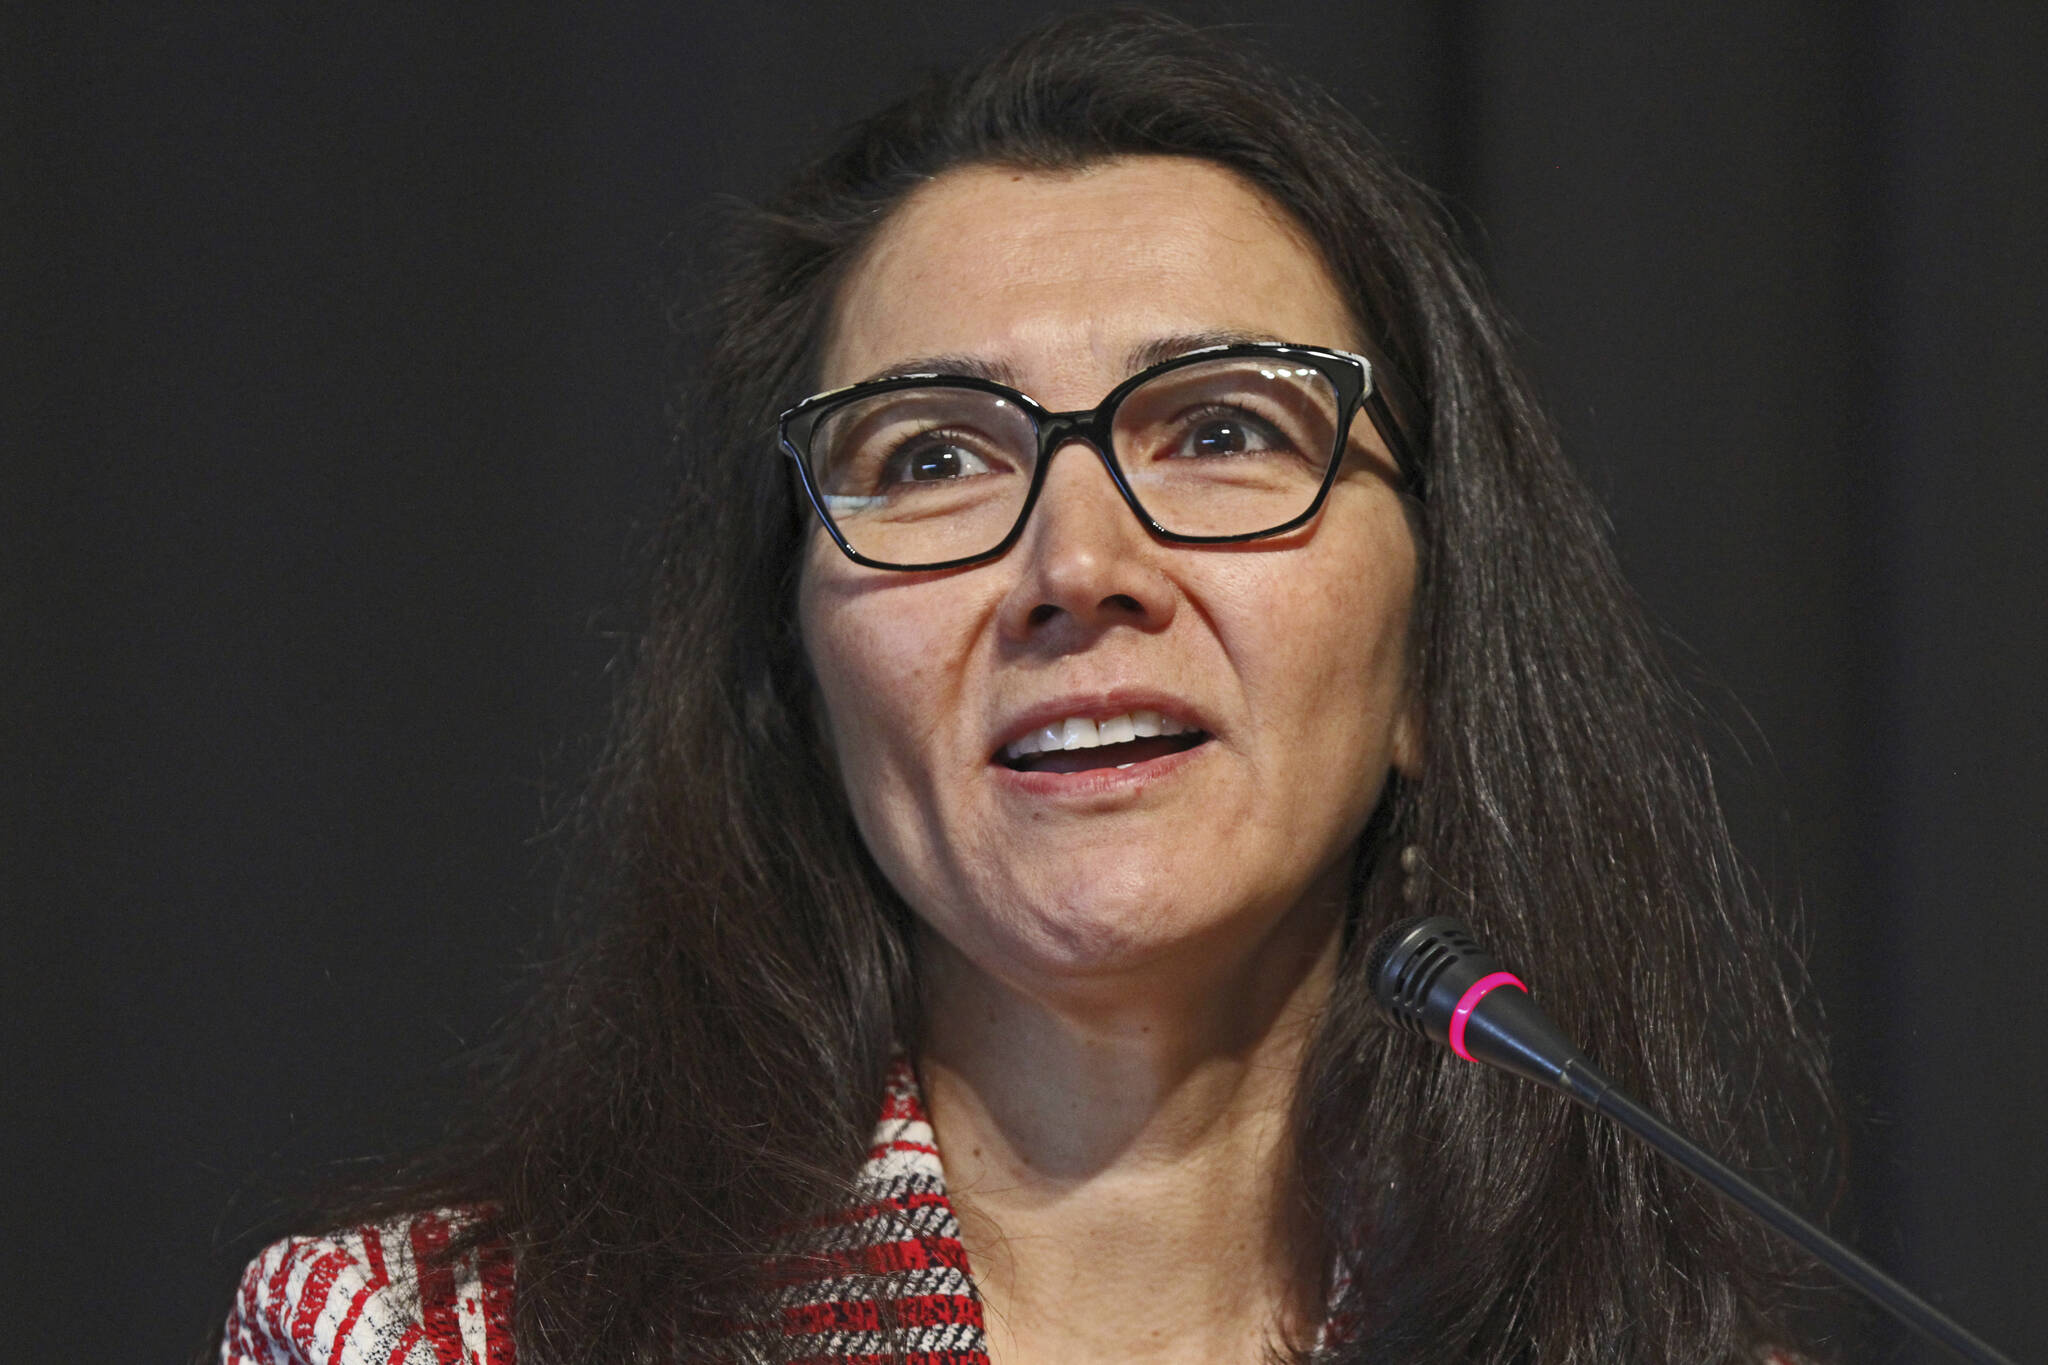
point(1112, 928)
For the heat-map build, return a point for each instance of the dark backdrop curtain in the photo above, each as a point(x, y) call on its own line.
point(340, 347)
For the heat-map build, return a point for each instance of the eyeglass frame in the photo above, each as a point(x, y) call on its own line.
point(1358, 383)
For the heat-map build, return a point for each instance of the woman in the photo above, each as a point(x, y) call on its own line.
point(1167, 582)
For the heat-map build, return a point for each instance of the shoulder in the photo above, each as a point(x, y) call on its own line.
point(384, 1295)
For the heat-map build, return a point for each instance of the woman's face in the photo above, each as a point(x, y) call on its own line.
point(1285, 659)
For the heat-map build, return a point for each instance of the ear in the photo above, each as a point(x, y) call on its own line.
point(1407, 738)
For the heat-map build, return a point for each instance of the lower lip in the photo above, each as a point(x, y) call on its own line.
point(1099, 781)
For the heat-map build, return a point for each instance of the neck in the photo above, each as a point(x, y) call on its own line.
point(1120, 1154)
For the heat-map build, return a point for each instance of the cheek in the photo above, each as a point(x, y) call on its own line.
point(884, 685)
point(843, 650)
point(1338, 633)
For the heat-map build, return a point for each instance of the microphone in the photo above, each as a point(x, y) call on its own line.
point(1432, 977)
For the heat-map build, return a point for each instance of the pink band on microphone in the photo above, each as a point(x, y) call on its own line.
point(1478, 991)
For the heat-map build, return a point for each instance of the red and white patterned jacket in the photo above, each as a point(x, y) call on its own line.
point(361, 1298)
point(372, 1295)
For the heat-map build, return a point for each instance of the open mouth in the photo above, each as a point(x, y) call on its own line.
point(1078, 744)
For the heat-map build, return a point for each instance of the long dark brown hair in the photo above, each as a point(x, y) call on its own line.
point(703, 1068)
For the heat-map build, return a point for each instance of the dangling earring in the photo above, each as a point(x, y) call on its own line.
point(1413, 871)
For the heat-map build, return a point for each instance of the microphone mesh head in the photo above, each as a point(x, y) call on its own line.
point(1408, 960)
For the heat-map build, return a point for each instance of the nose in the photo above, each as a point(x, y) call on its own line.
point(1085, 562)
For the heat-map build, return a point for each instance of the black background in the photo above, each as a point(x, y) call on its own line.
point(341, 344)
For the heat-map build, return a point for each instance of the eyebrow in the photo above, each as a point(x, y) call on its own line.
point(1140, 357)
point(967, 366)
point(1161, 349)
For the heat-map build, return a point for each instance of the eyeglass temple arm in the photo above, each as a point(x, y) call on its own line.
point(1396, 410)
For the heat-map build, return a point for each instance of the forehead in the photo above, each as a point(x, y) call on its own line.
point(1059, 276)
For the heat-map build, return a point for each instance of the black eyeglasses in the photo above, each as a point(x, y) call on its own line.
point(1223, 444)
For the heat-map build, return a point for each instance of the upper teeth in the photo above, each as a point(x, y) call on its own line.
point(1079, 732)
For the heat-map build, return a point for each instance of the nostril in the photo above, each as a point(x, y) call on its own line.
point(1116, 605)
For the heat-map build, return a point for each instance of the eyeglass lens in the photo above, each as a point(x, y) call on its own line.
point(930, 473)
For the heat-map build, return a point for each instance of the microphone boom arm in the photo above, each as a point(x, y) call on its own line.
point(1585, 1084)
point(1434, 979)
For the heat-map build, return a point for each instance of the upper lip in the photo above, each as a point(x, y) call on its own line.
point(1097, 706)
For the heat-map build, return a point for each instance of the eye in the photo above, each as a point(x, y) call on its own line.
point(933, 459)
point(1221, 431)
